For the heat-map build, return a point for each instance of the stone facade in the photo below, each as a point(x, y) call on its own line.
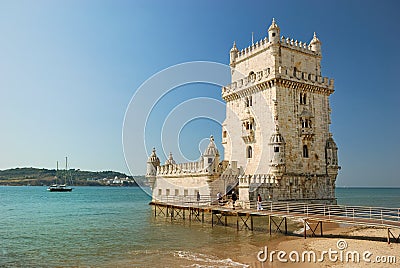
point(276, 134)
point(183, 181)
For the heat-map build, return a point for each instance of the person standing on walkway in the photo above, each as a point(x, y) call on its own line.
point(198, 196)
point(259, 201)
point(234, 198)
point(219, 197)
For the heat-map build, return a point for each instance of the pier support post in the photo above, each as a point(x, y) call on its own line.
point(270, 225)
point(321, 228)
point(285, 225)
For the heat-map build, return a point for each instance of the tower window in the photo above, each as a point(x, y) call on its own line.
point(276, 149)
point(306, 123)
point(273, 34)
point(248, 101)
point(303, 98)
point(224, 134)
point(249, 152)
point(305, 151)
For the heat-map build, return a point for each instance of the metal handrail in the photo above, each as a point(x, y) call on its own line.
point(339, 213)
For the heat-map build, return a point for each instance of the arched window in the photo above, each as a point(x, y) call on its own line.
point(249, 152)
point(305, 151)
point(250, 101)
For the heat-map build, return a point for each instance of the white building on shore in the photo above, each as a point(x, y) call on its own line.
point(276, 135)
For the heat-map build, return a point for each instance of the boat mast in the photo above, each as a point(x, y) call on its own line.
point(66, 170)
point(57, 172)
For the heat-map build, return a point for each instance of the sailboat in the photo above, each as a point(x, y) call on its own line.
point(61, 187)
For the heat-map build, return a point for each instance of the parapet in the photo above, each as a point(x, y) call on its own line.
point(182, 168)
point(263, 44)
point(269, 76)
point(247, 180)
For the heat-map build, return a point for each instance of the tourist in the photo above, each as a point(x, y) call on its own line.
point(259, 200)
point(198, 196)
point(234, 198)
point(219, 197)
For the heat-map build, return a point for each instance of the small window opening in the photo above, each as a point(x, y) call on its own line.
point(249, 152)
point(305, 151)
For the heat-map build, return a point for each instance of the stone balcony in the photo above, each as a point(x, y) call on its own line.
point(307, 132)
point(248, 136)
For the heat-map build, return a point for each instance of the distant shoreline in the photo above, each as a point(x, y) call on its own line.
point(29, 176)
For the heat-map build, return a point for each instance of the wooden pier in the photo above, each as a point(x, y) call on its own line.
point(277, 213)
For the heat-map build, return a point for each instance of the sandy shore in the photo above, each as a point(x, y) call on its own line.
point(349, 246)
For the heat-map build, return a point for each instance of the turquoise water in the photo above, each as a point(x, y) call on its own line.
point(115, 227)
point(374, 197)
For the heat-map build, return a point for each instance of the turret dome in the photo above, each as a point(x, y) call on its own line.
point(153, 158)
point(276, 137)
point(211, 149)
point(170, 160)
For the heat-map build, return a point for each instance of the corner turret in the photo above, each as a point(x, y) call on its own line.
point(331, 156)
point(233, 55)
point(274, 33)
point(152, 163)
point(211, 156)
point(315, 44)
point(277, 144)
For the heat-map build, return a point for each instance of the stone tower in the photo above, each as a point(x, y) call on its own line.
point(277, 120)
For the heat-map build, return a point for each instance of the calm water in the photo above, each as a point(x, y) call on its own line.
point(110, 227)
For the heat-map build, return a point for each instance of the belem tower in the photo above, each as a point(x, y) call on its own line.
point(276, 136)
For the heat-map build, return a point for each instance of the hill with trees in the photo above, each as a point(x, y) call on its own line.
point(40, 177)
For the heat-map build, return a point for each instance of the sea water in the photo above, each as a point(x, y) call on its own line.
point(116, 227)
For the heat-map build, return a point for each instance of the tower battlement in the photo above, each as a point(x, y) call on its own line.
point(266, 79)
point(264, 44)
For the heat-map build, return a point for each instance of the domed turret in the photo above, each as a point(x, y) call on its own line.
point(152, 163)
point(170, 160)
point(211, 149)
point(331, 157)
point(277, 144)
point(274, 32)
point(211, 155)
point(233, 55)
point(331, 152)
point(316, 44)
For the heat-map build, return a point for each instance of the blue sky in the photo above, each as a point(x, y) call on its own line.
point(68, 70)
